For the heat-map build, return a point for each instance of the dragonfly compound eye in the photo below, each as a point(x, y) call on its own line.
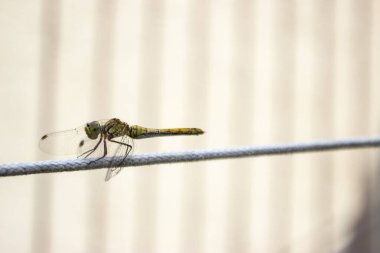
point(92, 130)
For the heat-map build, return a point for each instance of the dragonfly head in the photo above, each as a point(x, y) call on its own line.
point(93, 129)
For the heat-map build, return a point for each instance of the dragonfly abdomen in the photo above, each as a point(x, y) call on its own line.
point(139, 132)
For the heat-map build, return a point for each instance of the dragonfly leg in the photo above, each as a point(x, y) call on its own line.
point(122, 143)
point(129, 148)
point(90, 151)
point(104, 154)
point(126, 154)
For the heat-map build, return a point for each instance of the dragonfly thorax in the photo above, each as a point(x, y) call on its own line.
point(114, 128)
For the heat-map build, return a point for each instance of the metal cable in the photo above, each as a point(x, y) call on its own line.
point(16, 169)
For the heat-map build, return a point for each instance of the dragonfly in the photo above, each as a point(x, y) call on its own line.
point(104, 138)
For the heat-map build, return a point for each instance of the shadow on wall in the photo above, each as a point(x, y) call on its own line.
point(367, 229)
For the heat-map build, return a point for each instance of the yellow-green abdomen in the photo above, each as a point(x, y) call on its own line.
point(139, 132)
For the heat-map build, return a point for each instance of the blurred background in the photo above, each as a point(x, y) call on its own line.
point(248, 72)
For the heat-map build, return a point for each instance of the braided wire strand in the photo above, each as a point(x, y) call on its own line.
point(15, 169)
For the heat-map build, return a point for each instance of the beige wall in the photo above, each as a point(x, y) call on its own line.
point(248, 72)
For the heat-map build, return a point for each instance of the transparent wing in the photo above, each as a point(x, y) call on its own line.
point(64, 142)
point(124, 148)
point(90, 148)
